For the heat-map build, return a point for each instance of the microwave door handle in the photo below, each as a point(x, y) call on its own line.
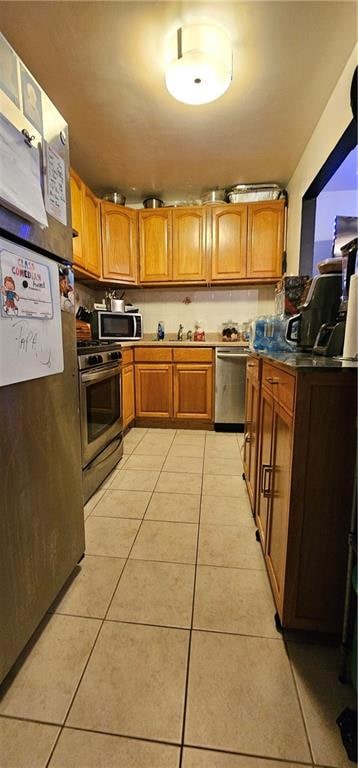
point(134, 326)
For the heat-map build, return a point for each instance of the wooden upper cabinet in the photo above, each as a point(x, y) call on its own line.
point(77, 218)
point(92, 232)
point(155, 241)
point(228, 249)
point(265, 239)
point(189, 254)
point(119, 243)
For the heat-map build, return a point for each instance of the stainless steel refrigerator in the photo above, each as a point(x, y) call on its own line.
point(41, 506)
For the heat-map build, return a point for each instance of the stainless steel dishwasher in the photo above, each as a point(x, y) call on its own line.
point(230, 373)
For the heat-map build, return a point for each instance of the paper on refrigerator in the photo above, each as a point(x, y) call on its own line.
point(20, 179)
point(30, 317)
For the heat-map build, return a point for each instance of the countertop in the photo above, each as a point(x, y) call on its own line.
point(292, 360)
point(175, 343)
point(307, 361)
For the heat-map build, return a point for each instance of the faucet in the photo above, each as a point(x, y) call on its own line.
point(180, 332)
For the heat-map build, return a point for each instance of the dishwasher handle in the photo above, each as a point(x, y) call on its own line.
point(242, 356)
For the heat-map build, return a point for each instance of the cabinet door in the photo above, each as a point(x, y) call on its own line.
point(228, 236)
point(155, 246)
point(265, 239)
point(154, 389)
point(193, 385)
point(189, 258)
point(92, 232)
point(77, 218)
point(276, 544)
point(264, 466)
point(128, 394)
point(119, 243)
point(252, 404)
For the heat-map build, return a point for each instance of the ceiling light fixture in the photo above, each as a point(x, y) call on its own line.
point(200, 68)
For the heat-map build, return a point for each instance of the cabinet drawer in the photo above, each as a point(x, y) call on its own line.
point(192, 355)
point(153, 354)
point(253, 367)
point(127, 356)
point(280, 384)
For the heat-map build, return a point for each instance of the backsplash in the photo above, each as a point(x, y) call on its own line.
point(212, 306)
point(84, 296)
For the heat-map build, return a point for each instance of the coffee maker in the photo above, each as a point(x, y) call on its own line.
point(320, 306)
point(330, 337)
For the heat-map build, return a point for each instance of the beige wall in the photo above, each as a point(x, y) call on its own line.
point(212, 306)
point(333, 122)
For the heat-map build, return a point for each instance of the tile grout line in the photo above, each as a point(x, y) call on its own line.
point(110, 603)
point(173, 744)
point(179, 744)
point(100, 627)
point(186, 690)
point(294, 679)
point(84, 668)
point(285, 641)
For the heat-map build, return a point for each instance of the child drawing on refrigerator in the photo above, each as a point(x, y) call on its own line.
point(8, 289)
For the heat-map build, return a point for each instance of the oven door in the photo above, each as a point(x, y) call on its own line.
point(101, 409)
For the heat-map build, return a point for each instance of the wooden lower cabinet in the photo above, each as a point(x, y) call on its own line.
point(154, 390)
point(277, 531)
point(304, 493)
point(128, 390)
point(264, 468)
point(193, 384)
point(128, 402)
point(252, 412)
point(174, 383)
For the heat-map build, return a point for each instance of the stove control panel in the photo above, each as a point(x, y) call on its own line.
point(99, 357)
point(95, 360)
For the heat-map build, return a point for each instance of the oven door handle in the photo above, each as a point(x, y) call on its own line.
point(100, 375)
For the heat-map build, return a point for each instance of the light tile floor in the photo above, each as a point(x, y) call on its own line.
point(162, 651)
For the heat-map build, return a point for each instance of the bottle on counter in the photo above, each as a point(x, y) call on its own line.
point(199, 333)
point(160, 331)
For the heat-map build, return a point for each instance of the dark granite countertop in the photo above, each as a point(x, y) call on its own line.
point(307, 361)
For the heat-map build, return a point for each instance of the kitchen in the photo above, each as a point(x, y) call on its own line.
point(131, 600)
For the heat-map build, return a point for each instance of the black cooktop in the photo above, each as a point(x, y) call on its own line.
point(91, 343)
point(96, 345)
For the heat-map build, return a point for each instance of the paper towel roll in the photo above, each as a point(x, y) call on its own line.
point(350, 348)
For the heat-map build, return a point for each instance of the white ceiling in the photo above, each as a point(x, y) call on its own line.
point(102, 63)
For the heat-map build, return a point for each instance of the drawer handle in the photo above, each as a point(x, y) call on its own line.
point(266, 471)
point(272, 380)
point(251, 365)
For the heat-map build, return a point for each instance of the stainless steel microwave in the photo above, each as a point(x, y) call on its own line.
point(117, 326)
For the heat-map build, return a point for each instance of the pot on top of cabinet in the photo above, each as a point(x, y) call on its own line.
point(115, 197)
point(153, 202)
